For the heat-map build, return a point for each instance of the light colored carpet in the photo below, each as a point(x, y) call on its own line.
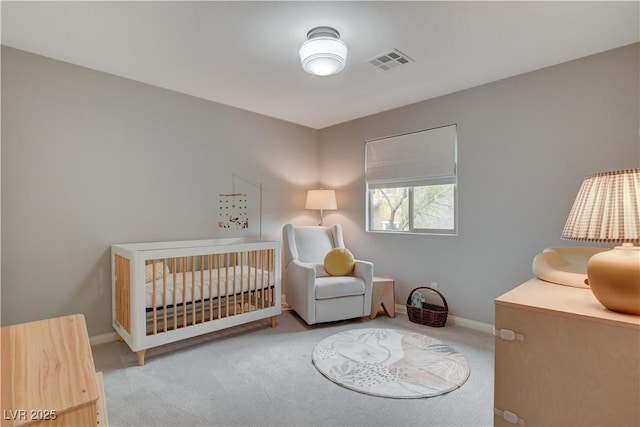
point(254, 375)
point(390, 363)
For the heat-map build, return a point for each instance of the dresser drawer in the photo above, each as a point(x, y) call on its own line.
point(566, 371)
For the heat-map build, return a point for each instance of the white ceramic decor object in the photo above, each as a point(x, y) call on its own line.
point(564, 265)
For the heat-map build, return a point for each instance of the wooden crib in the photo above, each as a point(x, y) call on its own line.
point(168, 291)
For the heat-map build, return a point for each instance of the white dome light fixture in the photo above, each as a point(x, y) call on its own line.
point(323, 54)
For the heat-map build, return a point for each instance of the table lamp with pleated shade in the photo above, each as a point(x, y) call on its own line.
point(607, 209)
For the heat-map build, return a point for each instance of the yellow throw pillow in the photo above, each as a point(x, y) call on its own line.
point(339, 262)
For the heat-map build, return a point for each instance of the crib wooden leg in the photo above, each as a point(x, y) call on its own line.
point(140, 357)
point(273, 321)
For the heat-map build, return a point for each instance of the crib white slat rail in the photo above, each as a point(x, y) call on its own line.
point(163, 292)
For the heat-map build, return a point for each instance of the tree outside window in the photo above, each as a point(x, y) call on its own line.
point(409, 209)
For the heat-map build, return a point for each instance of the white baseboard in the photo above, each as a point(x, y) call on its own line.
point(104, 338)
point(471, 324)
point(460, 321)
point(400, 308)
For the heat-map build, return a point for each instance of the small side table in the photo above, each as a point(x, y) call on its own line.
point(383, 294)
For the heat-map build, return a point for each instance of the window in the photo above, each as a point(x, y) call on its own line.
point(411, 182)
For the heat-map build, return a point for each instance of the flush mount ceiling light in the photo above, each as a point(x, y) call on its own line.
point(323, 54)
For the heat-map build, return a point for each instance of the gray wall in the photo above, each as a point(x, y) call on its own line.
point(90, 159)
point(524, 146)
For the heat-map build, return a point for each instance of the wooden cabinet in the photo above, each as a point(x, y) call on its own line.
point(48, 377)
point(562, 359)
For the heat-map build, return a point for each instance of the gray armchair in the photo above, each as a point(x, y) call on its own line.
point(310, 291)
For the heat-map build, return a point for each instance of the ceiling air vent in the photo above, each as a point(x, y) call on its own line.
point(390, 60)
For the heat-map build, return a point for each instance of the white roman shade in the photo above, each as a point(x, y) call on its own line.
point(421, 158)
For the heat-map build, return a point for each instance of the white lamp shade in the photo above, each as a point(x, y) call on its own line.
point(606, 209)
point(321, 199)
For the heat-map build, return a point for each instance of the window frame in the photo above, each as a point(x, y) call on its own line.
point(453, 180)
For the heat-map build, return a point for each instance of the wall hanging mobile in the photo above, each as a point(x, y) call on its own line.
point(233, 212)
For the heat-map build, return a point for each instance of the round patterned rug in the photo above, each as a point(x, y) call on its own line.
point(390, 363)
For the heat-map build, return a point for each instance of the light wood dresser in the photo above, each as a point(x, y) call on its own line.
point(48, 377)
point(562, 359)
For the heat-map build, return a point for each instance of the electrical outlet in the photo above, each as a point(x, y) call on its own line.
point(434, 285)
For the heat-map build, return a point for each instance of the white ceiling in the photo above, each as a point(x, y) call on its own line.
point(245, 54)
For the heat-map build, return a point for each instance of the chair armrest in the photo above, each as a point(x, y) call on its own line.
point(364, 270)
point(303, 272)
point(300, 289)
